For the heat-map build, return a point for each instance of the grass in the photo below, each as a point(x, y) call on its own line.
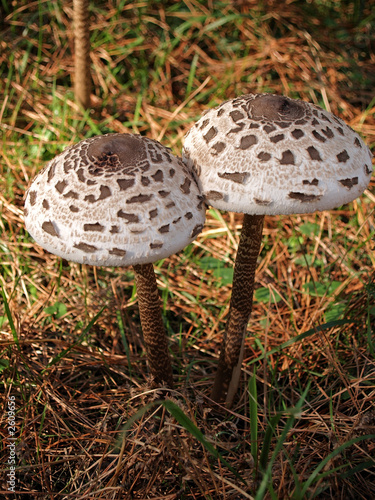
point(88, 425)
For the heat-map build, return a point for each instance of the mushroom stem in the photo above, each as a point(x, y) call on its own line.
point(154, 336)
point(230, 360)
point(82, 78)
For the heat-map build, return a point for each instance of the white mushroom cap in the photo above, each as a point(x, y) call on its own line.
point(114, 200)
point(268, 154)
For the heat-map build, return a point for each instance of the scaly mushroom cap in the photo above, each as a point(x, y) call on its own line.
point(114, 200)
point(268, 154)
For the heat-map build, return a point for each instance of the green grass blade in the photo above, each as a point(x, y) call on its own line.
point(124, 341)
point(315, 474)
point(185, 421)
point(220, 22)
point(267, 441)
point(193, 69)
point(358, 468)
point(131, 420)
point(302, 336)
point(10, 318)
point(280, 442)
point(253, 409)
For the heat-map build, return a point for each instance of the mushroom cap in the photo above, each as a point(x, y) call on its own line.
point(269, 154)
point(114, 200)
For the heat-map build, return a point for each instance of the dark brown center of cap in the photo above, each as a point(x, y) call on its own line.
point(274, 107)
point(128, 148)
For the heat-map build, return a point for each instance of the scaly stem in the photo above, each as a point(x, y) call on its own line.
point(82, 78)
point(227, 376)
point(154, 336)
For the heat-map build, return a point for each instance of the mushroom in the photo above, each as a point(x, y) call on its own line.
point(119, 200)
point(82, 74)
point(264, 154)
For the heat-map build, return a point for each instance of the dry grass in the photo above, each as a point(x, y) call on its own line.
point(78, 371)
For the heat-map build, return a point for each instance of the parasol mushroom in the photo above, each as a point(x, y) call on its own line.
point(264, 154)
point(119, 200)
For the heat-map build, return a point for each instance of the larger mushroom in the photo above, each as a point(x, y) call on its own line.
point(264, 154)
point(119, 200)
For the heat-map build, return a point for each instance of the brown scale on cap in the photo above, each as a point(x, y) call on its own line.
point(49, 228)
point(114, 192)
point(273, 108)
point(214, 195)
point(32, 196)
point(265, 147)
point(93, 227)
point(114, 153)
point(234, 176)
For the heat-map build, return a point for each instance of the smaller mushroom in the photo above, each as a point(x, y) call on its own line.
point(119, 200)
point(264, 154)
